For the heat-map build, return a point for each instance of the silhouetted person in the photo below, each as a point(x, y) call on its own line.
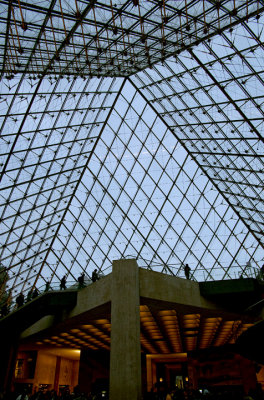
point(187, 271)
point(20, 300)
point(35, 293)
point(95, 276)
point(53, 395)
point(29, 295)
point(63, 283)
point(23, 395)
point(5, 309)
point(81, 280)
point(47, 287)
point(5, 304)
point(38, 395)
point(262, 271)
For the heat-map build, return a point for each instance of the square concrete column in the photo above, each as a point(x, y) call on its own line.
point(125, 352)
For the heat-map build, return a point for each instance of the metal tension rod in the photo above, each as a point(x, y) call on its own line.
point(70, 34)
point(222, 89)
point(80, 178)
point(190, 153)
point(32, 98)
point(6, 38)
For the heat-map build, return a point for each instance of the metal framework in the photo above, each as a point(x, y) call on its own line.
point(131, 129)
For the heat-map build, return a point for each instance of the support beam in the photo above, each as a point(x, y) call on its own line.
point(125, 356)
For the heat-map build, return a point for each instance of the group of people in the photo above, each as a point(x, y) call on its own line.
point(205, 394)
point(43, 395)
point(80, 279)
point(20, 300)
point(170, 394)
point(174, 393)
point(32, 294)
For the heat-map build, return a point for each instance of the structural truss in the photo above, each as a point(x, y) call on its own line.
point(131, 129)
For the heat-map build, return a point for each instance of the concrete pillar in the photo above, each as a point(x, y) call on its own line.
point(125, 354)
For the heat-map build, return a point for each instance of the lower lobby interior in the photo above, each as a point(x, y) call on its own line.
point(133, 333)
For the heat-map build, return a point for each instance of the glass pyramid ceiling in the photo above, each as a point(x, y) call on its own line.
point(131, 129)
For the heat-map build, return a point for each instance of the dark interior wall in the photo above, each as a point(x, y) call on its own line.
point(224, 369)
point(8, 350)
point(94, 370)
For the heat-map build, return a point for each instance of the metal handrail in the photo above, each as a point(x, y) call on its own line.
point(53, 287)
point(198, 275)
